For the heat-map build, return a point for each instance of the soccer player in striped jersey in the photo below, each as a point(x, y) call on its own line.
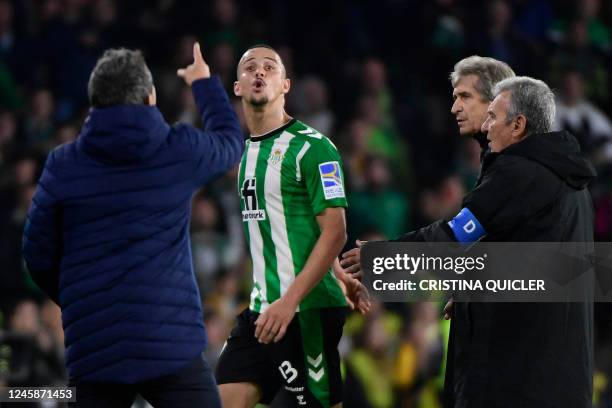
point(292, 193)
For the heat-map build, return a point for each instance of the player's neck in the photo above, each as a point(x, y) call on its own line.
point(262, 121)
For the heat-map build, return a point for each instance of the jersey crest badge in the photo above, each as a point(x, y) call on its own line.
point(276, 157)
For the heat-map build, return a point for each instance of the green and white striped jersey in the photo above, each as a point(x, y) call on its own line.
point(286, 178)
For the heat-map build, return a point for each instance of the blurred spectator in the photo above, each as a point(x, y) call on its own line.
point(369, 366)
point(576, 51)
point(446, 35)
point(10, 97)
point(51, 319)
point(223, 63)
point(38, 125)
point(583, 119)
point(469, 162)
point(217, 241)
point(443, 199)
point(188, 111)
point(208, 240)
point(65, 133)
point(217, 329)
point(378, 205)
point(15, 282)
point(7, 37)
point(8, 130)
point(237, 105)
point(374, 84)
point(170, 89)
point(534, 18)
point(597, 31)
point(33, 355)
point(420, 355)
point(500, 40)
point(383, 140)
point(355, 150)
point(309, 99)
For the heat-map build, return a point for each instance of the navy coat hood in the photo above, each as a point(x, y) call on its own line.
point(123, 134)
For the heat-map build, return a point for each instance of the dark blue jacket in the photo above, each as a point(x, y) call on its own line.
point(110, 217)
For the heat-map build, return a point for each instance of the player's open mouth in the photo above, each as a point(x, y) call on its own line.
point(258, 84)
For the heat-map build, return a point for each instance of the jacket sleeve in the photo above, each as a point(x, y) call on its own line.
point(501, 200)
point(439, 231)
point(42, 237)
point(219, 145)
point(509, 193)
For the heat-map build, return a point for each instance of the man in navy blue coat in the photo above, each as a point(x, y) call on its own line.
point(107, 236)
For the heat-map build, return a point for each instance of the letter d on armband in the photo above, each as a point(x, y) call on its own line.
point(466, 227)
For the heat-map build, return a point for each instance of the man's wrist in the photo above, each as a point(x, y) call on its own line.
point(291, 300)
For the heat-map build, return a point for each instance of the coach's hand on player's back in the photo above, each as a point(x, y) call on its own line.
point(199, 69)
point(272, 324)
point(351, 261)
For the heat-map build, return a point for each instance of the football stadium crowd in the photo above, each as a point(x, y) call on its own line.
point(372, 76)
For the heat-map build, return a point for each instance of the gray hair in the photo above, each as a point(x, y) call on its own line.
point(531, 98)
point(488, 70)
point(120, 77)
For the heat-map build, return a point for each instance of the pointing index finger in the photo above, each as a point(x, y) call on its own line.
point(197, 53)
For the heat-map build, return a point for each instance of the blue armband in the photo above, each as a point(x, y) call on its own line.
point(466, 226)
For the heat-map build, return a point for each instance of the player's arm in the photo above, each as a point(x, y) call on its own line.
point(272, 324)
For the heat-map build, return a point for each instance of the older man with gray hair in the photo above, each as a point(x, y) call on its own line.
point(473, 79)
point(522, 106)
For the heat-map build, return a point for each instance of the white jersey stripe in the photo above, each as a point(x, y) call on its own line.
point(298, 159)
point(276, 213)
point(256, 246)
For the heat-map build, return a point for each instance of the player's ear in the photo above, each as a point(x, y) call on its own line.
point(152, 99)
point(286, 85)
point(237, 90)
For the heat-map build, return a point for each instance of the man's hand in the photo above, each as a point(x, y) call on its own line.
point(351, 261)
point(272, 324)
point(448, 309)
point(357, 295)
point(197, 70)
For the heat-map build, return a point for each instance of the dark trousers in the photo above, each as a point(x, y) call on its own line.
point(192, 386)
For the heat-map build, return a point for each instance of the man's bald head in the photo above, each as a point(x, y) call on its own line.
point(267, 52)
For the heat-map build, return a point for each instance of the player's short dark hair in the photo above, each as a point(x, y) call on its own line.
point(120, 77)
